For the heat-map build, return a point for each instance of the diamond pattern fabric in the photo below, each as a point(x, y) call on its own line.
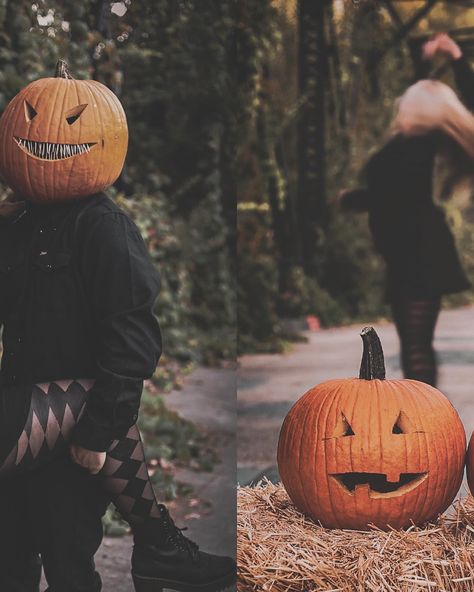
point(54, 411)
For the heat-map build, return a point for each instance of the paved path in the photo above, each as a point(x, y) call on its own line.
point(268, 385)
point(208, 399)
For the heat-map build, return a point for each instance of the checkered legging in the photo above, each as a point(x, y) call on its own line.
point(54, 411)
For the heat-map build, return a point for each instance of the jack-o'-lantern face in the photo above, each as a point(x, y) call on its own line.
point(62, 138)
point(372, 451)
point(391, 482)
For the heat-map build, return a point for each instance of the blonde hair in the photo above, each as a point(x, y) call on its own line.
point(430, 105)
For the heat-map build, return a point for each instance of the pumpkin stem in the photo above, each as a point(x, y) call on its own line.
point(373, 364)
point(62, 70)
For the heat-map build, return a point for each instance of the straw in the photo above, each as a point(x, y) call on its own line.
point(281, 550)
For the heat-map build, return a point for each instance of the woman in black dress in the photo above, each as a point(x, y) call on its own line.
point(409, 229)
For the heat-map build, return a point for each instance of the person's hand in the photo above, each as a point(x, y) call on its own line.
point(443, 44)
point(88, 459)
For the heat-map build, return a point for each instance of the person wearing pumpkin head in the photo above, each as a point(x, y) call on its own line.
point(79, 337)
point(409, 229)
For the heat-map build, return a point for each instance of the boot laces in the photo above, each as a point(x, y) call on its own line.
point(176, 536)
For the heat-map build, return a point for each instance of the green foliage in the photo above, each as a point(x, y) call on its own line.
point(257, 286)
point(307, 297)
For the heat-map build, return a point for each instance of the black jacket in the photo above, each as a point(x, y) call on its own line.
point(77, 289)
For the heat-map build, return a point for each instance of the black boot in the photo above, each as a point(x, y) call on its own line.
point(164, 558)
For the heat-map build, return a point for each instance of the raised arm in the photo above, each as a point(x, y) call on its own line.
point(463, 73)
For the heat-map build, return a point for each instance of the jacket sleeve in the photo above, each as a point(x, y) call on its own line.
point(121, 285)
point(464, 76)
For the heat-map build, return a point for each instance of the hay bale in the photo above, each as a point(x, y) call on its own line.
point(281, 550)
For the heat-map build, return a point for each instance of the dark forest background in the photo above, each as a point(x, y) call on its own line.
point(326, 76)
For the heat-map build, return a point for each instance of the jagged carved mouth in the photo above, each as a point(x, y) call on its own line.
point(50, 151)
point(377, 485)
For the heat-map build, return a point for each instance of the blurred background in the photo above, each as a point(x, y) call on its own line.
point(176, 68)
point(326, 75)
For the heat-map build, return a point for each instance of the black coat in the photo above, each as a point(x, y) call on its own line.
point(408, 228)
point(77, 289)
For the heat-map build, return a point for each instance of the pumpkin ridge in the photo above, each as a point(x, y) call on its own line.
point(113, 110)
point(435, 401)
point(447, 486)
point(52, 173)
point(301, 487)
point(78, 102)
point(404, 499)
point(38, 99)
point(100, 124)
point(460, 448)
point(336, 402)
point(356, 400)
point(32, 182)
point(378, 398)
point(326, 394)
point(423, 456)
point(444, 482)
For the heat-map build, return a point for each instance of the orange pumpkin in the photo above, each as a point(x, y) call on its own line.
point(367, 450)
point(62, 138)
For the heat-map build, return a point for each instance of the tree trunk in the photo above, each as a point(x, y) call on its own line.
point(312, 207)
point(271, 158)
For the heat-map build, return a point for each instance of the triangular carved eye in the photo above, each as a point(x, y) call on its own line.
point(73, 114)
point(30, 112)
point(403, 425)
point(343, 428)
point(397, 429)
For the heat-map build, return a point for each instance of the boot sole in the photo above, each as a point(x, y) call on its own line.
point(149, 584)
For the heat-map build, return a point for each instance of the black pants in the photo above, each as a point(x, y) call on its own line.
point(59, 510)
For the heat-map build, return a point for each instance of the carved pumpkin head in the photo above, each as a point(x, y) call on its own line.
point(62, 138)
point(367, 450)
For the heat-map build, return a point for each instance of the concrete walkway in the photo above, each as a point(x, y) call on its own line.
point(208, 399)
point(268, 385)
